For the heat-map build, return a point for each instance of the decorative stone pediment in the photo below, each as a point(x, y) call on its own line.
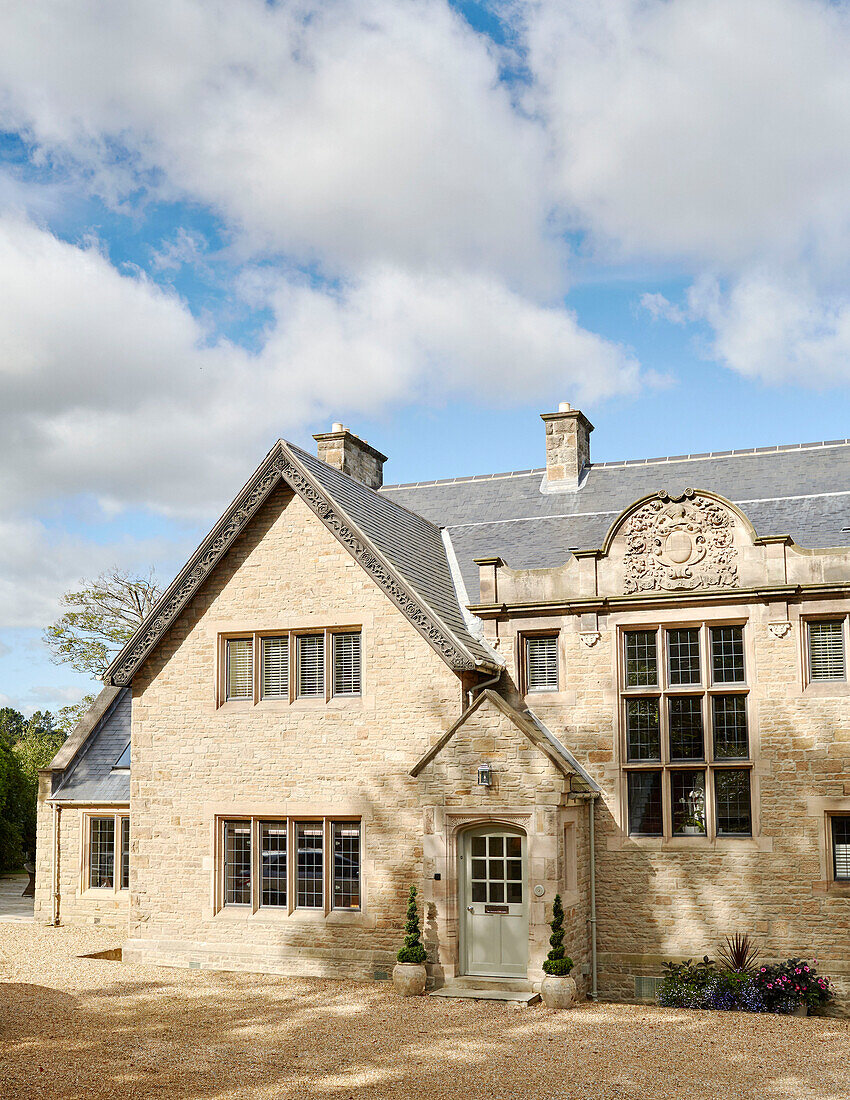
point(679, 543)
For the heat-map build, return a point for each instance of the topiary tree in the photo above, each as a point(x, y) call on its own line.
point(557, 963)
point(413, 951)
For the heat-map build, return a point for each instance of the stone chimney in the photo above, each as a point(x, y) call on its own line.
point(567, 447)
point(345, 451)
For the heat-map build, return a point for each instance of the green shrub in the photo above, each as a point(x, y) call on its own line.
point(557, 963)
point(413, 951)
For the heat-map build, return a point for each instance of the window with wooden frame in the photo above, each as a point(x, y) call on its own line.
point(685, 730)
point(106, 851)
point(289, 665)
point(539, 662)
point(289, 864)
point(825, 647)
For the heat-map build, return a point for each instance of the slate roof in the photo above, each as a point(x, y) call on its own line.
point(412, 544)
point(801, 490)
point(90, 776)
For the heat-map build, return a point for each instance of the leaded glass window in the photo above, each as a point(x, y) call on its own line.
point(125, 853)
point(237, 863)
point(732, 799)
point(644, 730)
point(686, 736)
point(310, 892)
point(641, 658)
point(645, 808)
point(273, 838)
point(346, 837)
point(730, 726)
point(687, 796)
point(677, 683)
point(727, 655)
point(683, 656)
point(101, 853)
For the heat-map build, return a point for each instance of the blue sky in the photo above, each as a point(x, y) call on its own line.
point(225, 222)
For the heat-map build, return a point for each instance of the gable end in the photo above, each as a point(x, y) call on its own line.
point(280, 464)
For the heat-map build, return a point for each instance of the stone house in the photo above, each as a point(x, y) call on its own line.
point(624, 682)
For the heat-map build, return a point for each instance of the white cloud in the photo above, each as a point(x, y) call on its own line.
point(777, 329)
point(37, 565)
point(109, 386)
point(710, 130)
point(660, 308)
point(370, 131)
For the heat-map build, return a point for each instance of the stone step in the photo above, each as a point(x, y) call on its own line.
point(486, 993)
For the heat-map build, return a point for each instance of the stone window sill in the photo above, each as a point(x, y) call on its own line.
point(693, 843)
point(352, 917)
point(832, 889)
point(827, 689)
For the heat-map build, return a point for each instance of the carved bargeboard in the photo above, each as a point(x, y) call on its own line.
point(680, 543)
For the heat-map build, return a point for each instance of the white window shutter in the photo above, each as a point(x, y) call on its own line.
point(240, 668)
point(275, 668)
point(542, 663)
point(346, 664)
point(310, 649)
point(826, 650)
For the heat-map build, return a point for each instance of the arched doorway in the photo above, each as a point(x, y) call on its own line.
point(493, 896)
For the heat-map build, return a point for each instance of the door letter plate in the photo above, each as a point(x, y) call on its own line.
point(495, 908)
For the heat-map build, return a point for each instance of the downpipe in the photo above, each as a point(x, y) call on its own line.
point(474, 692)
point(591, 800)
point(591, 829)
point(57, 817)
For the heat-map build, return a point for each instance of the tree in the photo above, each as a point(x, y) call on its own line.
point(12, 724)
point(33, 750)
point(100, 617)
point(557, 962)
point(413, 951)
point(12, 809)
point(68, 717)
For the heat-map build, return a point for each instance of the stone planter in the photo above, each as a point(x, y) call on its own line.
point(558, 992)
point(801, 1010)
point(409, 979)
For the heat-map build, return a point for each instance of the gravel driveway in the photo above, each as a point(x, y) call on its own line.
point(75, 1028)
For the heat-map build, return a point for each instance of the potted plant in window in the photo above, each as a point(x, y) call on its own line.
point(558, 989)
point(409, 974)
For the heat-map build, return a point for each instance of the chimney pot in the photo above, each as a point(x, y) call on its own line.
point(567, 447)
point(345, 451)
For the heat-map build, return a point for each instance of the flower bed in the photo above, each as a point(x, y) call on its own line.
point(779, 987)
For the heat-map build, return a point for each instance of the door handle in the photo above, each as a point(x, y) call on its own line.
point(470, 909)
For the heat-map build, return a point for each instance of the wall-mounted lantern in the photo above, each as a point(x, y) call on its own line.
point(485, 775)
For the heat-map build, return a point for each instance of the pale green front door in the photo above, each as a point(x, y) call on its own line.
point(494, 912)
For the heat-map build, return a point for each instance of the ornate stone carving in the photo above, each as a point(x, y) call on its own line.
point(680, 543)
point(456, 822)
point(231, 525)
point(779, 630)
point(590, 637)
